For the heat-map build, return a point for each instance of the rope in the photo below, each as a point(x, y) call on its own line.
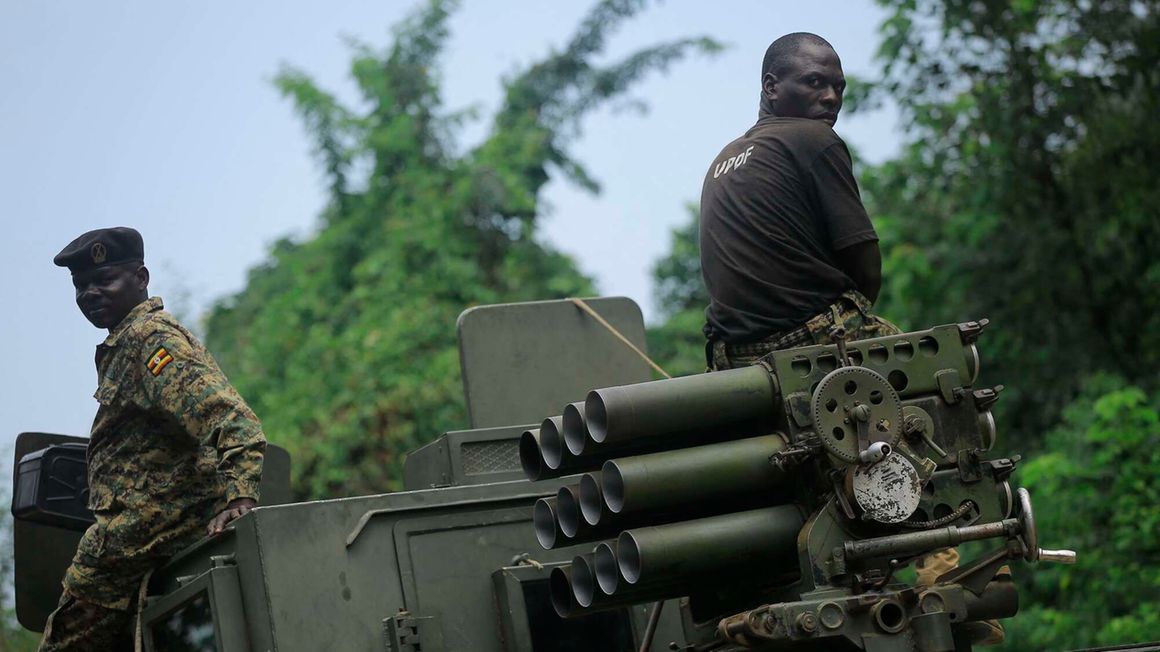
point(138, 632)
point(525, 559)
point(612, 329)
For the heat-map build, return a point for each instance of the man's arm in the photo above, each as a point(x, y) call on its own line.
point(863, 263)
point(852, 236)
point(191, 388)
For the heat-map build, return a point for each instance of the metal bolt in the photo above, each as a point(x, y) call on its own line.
point(807, 622)
point(831, 615)
point(931, 602)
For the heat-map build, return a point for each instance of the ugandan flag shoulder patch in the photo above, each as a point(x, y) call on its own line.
point(158, 360)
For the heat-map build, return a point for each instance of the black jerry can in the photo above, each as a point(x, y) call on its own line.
point(52, 487)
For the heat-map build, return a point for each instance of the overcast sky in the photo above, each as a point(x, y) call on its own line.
point(162, 116)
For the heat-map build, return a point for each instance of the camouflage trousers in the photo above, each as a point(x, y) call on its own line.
point(851, 310)
point(80, 626)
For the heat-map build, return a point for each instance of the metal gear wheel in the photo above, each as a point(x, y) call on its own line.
point(847, 396)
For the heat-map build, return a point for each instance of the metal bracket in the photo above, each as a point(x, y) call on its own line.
point(975, 576)
point(985, 398)
point(949, 385)
point(969, 469)
point(969, 331)
point(1002, 468)
point(798, 407)
point(405, 632)
point(837, 333)
point(791, 457)
point(221, 561)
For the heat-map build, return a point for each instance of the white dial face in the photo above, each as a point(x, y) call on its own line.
point(889, 491)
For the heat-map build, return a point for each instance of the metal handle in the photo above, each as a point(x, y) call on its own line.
point(1057, 556)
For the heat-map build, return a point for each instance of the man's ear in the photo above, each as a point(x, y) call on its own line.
point(142, 275)
point(769, 86)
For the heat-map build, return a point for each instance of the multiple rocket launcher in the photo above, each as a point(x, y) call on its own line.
point(680, 481)
point(801, 482)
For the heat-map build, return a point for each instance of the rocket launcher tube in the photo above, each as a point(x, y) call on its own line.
point(575, 428)
point(560, 586)
point(740, 402)
point(543, 454)
point(609, 592)
point(628, 595)
point(566, 581)
point(723, 472)
point(546, 524)
point(607, 570)
point(531, 460)
point(552, 442)
point(591, 498)
point(583, 579)
point(755, 539)
point(568, 510)
point(573, 528)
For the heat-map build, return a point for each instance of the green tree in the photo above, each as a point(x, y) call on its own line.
point(677, 343)
point(1026, 192)
point(1095, 491)
point(344, 343)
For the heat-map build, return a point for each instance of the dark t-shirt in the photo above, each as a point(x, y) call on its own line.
point(776, 205)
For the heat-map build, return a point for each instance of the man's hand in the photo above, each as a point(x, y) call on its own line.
point(235, 509)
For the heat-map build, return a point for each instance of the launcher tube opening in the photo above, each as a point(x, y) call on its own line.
point(607, 570)
point(583, 580)
point(575, 428)
point(552, 442)
point(544, 520)
point(591, 498)
point(568, 511)
point(531, 459)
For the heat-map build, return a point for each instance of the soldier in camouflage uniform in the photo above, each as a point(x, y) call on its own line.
point(175, 453)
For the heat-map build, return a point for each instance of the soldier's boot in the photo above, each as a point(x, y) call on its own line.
point(929, 568)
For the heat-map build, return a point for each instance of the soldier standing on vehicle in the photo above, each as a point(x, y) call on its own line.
point(787, 248)
point(175, 453)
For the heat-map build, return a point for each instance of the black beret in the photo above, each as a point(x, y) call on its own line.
point(101, 248)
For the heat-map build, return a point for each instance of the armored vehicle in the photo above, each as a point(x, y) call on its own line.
point(589, 507)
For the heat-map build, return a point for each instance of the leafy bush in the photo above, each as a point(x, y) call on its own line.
point(1094, 490)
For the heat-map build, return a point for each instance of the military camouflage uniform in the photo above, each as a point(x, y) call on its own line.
point(851, 309)
point(171, 445)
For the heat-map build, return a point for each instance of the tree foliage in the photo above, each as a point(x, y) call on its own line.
point(677, 342)
point(1026, 192)
point(1096, 485)
point(344, 343)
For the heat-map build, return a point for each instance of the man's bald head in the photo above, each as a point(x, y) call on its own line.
point(780, 54)
point(801, 77)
